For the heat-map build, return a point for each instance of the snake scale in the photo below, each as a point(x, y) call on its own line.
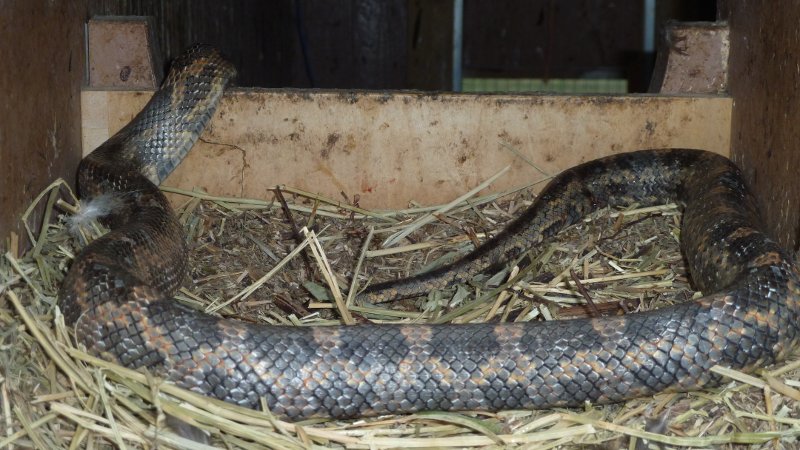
point(117, 293)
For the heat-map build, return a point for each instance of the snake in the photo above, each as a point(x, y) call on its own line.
point(118, 294)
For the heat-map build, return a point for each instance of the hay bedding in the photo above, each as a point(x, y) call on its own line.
point(244, 263)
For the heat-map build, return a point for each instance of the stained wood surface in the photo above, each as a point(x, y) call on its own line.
point(692, 59)
point(392, 148)
point(41, 47)
point(122, 54)
point(764, 80)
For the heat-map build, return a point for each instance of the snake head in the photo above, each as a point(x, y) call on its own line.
point(201, 61)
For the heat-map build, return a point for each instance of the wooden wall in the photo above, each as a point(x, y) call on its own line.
point(286, 43)
point(765, 85)
point(549, 39)
point(258, 36)
point(348, 44)
point(390, 148)
point(41, 48)
point(567, 39)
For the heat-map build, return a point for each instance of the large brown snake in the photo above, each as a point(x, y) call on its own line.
point(117, 294)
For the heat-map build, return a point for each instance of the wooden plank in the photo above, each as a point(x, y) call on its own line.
point(121, 53)
point(42, 49)
point(693, 59)
point(430, 45)
point(389, 148)
point(764, 76)
point(551, 39)
point(260, 38)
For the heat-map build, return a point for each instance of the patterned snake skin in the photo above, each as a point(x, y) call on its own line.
point(117, 294)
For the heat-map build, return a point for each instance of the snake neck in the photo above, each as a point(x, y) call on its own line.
point(124, 173)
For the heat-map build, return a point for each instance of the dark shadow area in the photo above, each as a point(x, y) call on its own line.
point(408, 44)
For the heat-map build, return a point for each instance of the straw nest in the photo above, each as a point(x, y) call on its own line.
point(291, 260)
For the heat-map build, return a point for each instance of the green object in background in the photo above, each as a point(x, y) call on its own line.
point(555, 86)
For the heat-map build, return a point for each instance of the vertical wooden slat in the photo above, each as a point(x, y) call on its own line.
point(547, 38)
point(765, 84)
point(430, 44)
point(42, 50)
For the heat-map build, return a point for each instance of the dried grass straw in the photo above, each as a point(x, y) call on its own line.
point(54, 395)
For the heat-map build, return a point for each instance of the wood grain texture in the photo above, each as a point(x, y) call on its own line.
point(348, 43)
point(389, 148)
point(692, 59)
point(765, 84)
point(41, 47)
point(122, 53)
point(553, 39)
point(430, 45)
point(259, 37)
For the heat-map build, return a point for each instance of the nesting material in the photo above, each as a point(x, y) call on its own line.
point(291, 260)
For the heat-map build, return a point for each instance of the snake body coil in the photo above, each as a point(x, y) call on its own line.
point(117, 293)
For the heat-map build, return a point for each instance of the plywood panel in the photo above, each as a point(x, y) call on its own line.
point(122, 53)
point(41, 48)
point(692, 58)
point(765, 83)
point(392, 148)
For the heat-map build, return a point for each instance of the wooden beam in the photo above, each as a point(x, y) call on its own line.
point(692, 59)
point(389, 148)
point(430, 45)
point(121, 53)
